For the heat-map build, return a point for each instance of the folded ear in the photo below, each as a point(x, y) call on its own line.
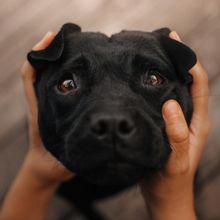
point(53, 52)
point(163, 31)
point(182, 57)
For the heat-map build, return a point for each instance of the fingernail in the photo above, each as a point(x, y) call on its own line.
point(170, 108)
point(36, 46)
point(175, 35)
point(49, 33)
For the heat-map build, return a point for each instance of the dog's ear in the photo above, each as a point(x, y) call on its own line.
point(163, 31)
point(182, 57)
point(53, 52)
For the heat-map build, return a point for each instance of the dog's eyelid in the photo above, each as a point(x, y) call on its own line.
point(144, 63)
point(152, 68)
point(53, 82)
point(63, 76)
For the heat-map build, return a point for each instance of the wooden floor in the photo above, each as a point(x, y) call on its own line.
point(24, 22)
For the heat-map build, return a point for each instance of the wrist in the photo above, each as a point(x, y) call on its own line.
point(35, 177)
point(179, 206)
point(45, 168)
point(25, 188)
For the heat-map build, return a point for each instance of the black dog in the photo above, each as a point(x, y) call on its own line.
point(100, 101)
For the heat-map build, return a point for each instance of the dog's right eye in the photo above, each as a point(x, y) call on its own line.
point(67, 85)
point(152, 78)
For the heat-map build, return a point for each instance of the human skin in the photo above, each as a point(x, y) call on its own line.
point(35, 185)
point(168, 195)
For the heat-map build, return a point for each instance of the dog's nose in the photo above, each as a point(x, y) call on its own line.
point(104, 126)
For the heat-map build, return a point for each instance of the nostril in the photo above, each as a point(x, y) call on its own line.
point(109, 126)
point(125, 127)
point(100, 128)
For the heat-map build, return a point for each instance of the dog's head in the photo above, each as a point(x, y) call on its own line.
point(100, 100)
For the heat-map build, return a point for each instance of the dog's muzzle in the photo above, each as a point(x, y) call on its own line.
point(112, 126)
point(113, 146)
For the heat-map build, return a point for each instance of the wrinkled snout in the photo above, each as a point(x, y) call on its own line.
point(118, 145)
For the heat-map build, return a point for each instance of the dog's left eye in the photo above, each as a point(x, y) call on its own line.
point(67, 85)
point(153, 78)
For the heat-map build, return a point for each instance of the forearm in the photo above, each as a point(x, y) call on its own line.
point(171, 209)
point(28, 198)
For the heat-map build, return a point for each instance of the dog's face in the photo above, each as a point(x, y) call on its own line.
point(100, 100)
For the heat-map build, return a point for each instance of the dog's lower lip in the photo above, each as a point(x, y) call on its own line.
point(118, 165)
point(112, 166)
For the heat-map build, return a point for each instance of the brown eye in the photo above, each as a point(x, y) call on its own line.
point(67, 85)
point(153, 78)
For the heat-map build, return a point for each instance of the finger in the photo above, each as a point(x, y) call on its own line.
point(176, 128)
point(29, 90)
point(199, 91)
point(27, 70)
point(199, 126)
point(28, 75)
point(45, 41)
point(175, 36)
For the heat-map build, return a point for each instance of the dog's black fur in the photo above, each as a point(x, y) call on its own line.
point(109, 129)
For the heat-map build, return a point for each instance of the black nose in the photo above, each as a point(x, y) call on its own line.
point(107, 125)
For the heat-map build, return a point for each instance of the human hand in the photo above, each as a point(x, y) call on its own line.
point(39, 161)
point(169, 194)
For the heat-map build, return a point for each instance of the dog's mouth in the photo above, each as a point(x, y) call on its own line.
point(112, 173)
point(117, 166)
point(115, 154)
point(120, 165)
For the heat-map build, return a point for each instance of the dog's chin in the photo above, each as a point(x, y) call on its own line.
point(120, 174)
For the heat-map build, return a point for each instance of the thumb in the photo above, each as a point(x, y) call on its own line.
point(177, 131)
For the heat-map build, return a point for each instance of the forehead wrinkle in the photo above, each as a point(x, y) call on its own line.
point(85, 41)
point(72, 62)
point(142, 41)
point(117, 50)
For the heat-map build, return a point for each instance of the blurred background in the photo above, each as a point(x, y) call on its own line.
point(24, 22)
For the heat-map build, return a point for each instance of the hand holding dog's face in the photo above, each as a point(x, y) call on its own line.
point(39, 162)
point(100, 100)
